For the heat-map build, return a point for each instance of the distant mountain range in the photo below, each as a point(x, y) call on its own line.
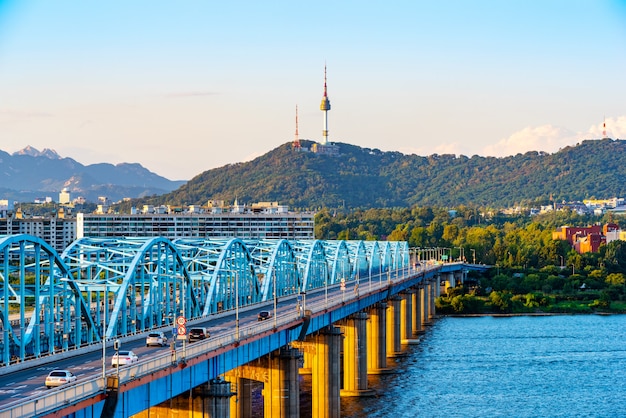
point(369, 178)
point(29, 174)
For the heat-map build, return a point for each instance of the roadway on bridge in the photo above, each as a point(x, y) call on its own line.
point(26, 383)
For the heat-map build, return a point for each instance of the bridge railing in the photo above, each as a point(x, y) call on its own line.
point(57, 399)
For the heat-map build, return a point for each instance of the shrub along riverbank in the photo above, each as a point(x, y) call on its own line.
point(547, 290)
point(464, 300)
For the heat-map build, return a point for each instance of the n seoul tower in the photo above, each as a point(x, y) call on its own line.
point(325, 107)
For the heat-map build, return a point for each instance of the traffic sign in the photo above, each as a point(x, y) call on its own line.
point(181, 320)
point(182, 330)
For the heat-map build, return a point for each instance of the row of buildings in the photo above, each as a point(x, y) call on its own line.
point(590, 238)
point(263, 220)
point(596, 207)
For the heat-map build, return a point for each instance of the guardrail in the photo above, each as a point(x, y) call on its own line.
point(91, 385)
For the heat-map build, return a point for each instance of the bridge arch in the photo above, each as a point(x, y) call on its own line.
point(315, 269)
point(136, 283)
point(278, 267)
point(339, 260)
point(359, 257)
point(38, 291)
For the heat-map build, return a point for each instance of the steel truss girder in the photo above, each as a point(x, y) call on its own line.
point(137, 284)
point(41, 307)
point(134, 284)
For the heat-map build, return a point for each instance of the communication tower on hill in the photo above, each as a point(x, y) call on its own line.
point(325, 107)
point(296, 140)
point(604, 129)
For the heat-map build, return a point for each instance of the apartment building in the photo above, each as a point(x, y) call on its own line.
point(264, 220)
point(59, 231)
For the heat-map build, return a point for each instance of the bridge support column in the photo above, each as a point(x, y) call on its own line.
point(394, 344)
point(308, 360)
point(417, 311)
point(355, 356)
point(450, 282)
point(213, 399)
point(406, 318)
point(326, 374)
point(377, 339)
point(425, 291)
point(281, 395)
point(434, 287)
point(240, 405)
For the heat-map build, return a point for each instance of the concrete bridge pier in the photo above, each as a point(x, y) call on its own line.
point(377, 339)
point(460, 276)
point(394, 315)
point(306, 362)
point(281, 394)
point(417, 311)
point(435, 292)
point(355, 356)
point(450, 281)
point(240, 405)
point(426, 316)
point(326, 374)
point(213, 398)
point(406, 317)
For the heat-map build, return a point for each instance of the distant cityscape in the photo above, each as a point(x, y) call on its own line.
point(262, 220)
point(215, 220)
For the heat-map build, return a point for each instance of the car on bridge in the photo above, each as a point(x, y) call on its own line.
point(198, 333)
point(59, 377)
point(123, 357)
point(156, 338)
point(263, 315)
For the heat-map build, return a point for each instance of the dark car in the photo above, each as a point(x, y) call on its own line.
point(263, 315)
point(198, 333)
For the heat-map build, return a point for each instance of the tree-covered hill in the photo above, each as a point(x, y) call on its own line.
point(366, 178)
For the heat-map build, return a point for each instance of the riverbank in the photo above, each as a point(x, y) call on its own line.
point(526, 314)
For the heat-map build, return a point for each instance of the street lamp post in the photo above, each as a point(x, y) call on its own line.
point(184, 290)
point(473, 255)
point(237, 305)
point(236, 298)
point(561, 261)
point(326, 289)
point(275, 323)
point(104, 336)
point(460, 253)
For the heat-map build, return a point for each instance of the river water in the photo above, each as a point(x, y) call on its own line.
point(522, 366)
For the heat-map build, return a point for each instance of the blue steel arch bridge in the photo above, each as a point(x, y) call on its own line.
point(109, 288)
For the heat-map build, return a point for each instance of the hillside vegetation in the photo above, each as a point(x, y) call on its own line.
point(369, 178)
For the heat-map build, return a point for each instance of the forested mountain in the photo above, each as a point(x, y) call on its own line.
point(367, 178)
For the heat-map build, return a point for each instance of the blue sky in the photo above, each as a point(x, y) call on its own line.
point(183, 87)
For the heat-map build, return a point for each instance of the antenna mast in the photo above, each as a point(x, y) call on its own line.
point(296, 140)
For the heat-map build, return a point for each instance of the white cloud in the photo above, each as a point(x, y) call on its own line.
point(539, 138)
point(551, 138)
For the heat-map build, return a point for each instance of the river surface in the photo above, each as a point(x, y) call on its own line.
point(522, 366)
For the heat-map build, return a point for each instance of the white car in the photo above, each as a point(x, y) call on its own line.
point(156, 338)
point(123, 358)
point(59, 377)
